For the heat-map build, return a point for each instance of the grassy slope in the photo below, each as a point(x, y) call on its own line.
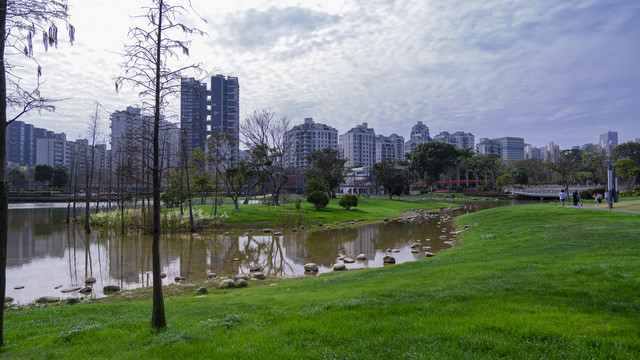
point(528, 282)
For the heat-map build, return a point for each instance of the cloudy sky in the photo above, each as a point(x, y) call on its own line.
point(545, 70)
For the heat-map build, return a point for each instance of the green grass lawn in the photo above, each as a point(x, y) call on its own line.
point(627, 205)
point(533, 281)
point(286, 215)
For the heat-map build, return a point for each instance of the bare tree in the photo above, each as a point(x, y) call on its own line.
point(19, 23)
point(93, 132)
point(146, 67)
point(264, 135)
point(220, 155)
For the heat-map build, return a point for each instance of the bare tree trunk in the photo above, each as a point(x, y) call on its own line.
point(87, 191)
point(4, 194)
point(191, 227)
point(100, 170)
point(158, 319)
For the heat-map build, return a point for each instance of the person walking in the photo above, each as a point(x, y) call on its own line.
point(576, 198)
point(563, 197)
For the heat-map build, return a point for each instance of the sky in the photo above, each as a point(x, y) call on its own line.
point(545, 70)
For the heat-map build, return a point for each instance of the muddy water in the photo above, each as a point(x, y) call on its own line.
point(46, 256)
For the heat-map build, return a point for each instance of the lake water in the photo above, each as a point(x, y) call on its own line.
point(45, 255)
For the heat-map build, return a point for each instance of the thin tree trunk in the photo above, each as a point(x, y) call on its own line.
point(4, 194)
point(158, 319)
point(87, 213)
point(191, 227)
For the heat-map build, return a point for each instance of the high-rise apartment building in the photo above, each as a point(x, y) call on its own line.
point(531, 152)
point(389, 147)
point(489, 146)
point(608, 141)
point(459, 139)
point(419, 134)
point(551, 152)
point(52, 150)
point(21, 143)
point(132, 132)
point(307, 137)
point(358, 146)
point(512, 148)
point(194, 112)
point(206, 112)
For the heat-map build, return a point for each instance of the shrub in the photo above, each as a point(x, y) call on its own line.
point(349, 201)
point(319, 199)
point(315, 184)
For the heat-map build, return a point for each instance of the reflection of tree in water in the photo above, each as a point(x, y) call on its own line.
point(266, 251)
point(323, 247)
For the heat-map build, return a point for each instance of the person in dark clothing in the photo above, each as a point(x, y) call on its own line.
point(576, 198)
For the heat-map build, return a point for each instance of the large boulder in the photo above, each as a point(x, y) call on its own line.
point(389, 260)
point(361, 257)
point(242, 283)
point(72, 300)
point(240, 277)
point(111, 288)
point(339, 267)
point(227, 283)
point(48, 299)
point(259, 276)
point(85, 290)
point(71, 289)
point(179, 278)
point(201, 290)
point(90, 280)
point(348, 260)
point(255, 268)
point(311, 267)
point(8, 299)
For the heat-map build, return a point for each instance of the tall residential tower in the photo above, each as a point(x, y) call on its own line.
point(206, 112)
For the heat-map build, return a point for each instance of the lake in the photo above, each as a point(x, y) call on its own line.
point(45, 255)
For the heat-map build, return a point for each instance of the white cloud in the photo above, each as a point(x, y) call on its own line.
point(547, 71)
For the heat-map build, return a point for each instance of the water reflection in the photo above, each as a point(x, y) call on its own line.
point(45, 255)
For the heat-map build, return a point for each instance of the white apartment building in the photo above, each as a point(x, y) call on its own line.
point(551, 152)
point(532, 152)
point(132, 134)
point(459, 139)
point(389, 147)
point(488, 146)
point(305, 138)
point(419, 134)
point(359, 146)
point(52, 150)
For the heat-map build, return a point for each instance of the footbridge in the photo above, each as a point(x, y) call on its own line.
point(543, 193)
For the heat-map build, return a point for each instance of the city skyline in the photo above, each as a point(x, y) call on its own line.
point(561, 72)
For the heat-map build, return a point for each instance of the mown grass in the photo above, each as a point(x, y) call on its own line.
point(286, 215)
point(628, 205)
point(533, 281)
